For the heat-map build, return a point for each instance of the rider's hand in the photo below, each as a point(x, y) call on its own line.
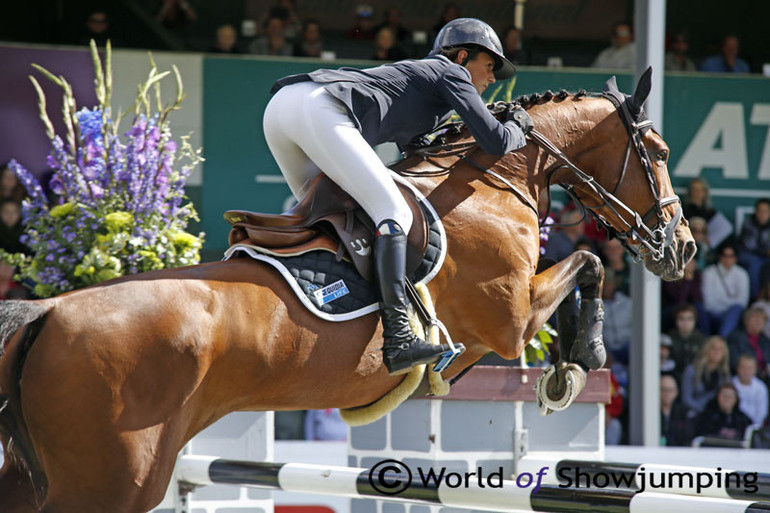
point(519, 116)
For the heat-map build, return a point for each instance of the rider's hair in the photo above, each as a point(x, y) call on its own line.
point(452, 52)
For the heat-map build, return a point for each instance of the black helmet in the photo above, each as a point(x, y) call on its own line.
point(473, 32)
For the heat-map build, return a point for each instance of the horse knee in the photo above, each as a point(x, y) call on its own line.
point(591, 275)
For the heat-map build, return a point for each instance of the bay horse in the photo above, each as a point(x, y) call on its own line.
point(102, 387)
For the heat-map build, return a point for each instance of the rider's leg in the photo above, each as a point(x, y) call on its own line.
point(321, 127)
point(294, 163)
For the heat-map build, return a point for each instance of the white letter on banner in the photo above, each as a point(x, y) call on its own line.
point(760, 115)
point(724, 124)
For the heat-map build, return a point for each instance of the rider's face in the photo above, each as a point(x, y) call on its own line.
point(482, 71)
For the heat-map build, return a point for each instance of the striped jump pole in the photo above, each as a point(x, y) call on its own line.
point(390, 483)
point(717, 483)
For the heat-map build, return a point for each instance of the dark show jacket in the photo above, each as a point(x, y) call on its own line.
point(400, 101)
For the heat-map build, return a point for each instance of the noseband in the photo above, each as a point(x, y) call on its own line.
point(656, 239)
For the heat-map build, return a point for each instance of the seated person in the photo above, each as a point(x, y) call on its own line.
point(754, 243)
point(752, 392)
point(727, 60)
point(622, 53)
point(675, 427)
point(722, 417)
point(686, 340)
point(702, 379)
point(750, 339)
point(725, 287)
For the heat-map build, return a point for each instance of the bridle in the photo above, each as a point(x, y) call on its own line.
point(631, 234)
point(656, 239)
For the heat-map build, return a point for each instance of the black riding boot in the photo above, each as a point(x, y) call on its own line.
point(402, 349)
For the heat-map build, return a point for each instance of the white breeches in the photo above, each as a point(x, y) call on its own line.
point(309, 132)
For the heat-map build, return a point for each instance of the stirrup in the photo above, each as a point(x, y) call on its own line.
point(450, 356)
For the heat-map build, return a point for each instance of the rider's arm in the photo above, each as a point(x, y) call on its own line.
point(493, 137)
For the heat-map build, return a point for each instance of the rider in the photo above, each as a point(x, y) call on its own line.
point(328, 120)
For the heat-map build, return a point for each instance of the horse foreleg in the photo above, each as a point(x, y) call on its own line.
point(580, 331)
point(16, 493)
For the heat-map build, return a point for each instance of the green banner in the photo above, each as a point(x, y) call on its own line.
point(716, 128)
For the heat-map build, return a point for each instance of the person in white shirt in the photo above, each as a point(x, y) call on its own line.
point(725, 292)
point(622, 53)
point(751, 390)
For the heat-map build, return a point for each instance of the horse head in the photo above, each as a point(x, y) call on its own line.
point(618, 172)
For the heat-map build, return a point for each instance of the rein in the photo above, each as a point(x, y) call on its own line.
point(655, 240)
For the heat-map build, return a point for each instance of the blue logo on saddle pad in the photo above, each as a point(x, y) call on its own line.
point(330, 292)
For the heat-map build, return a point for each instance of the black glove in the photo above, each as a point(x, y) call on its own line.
point(519, 116)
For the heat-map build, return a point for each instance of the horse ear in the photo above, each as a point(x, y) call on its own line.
point(610, 85)
point(642, 90)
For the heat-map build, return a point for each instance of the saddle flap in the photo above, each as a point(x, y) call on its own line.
point(327, 209)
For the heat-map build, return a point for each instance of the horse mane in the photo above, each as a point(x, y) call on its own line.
point(449, 133)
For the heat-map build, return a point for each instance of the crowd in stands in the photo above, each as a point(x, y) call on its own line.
point(283, 31)
point(715, 334)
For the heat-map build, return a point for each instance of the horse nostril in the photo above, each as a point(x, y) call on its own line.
point(689, 252)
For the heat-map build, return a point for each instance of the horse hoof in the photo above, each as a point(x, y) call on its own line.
point(558, 387)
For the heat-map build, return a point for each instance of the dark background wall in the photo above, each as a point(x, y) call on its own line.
point(573, 29)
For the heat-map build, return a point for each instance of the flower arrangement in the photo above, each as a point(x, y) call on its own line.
point(121, 206)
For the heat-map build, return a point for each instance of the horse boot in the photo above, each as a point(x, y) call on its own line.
point(567, 315)
point(402, 349)
point(588, 349)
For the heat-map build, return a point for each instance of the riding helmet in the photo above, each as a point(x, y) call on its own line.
point(473, 32)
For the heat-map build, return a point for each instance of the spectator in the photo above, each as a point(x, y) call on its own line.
point(702, 379)
point(700, 232)
point(10, 187)
point(622, 53)
point(176, 14)
point(725, 291)
point(393, 22)
point(674, 424)
point(697, 203)
point(686, 340)
point(750, 340)
point(311, 43)
point(727, 61)
point(615, 258)
point(11, 228)
point(273, 41)
point(723, 418)
point(449, 13)
point(97, 27)
point(763, 302)
point(676, 57)
point(512, 46)
point(617, 318)
point(364, 26)
point(386, 47)
point(226, 39)
point(667, 364)
point(751, 391)
point(287, 11)
point(325, 425)
point(755, 243)
point(686, 290)
point(561, 241)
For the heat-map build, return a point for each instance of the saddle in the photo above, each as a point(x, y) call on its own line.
point(327, 218)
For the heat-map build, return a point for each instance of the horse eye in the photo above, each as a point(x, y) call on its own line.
point(662, 155)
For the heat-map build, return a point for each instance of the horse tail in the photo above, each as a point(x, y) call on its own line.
point(15, 315)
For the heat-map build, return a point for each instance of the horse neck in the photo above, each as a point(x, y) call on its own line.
point(572, 125)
